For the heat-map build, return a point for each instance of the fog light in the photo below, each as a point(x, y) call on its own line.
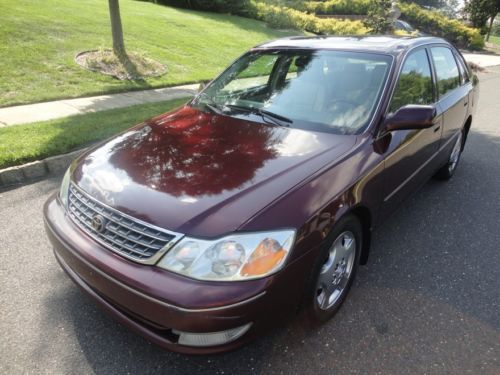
point(211, 338)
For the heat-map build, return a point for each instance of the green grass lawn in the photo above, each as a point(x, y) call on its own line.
point(23, 143)
point(39, 41)
point(495, 40)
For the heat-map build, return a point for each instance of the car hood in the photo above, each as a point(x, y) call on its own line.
point(203, 174)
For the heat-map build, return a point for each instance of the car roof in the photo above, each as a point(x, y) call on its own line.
point(386, 44)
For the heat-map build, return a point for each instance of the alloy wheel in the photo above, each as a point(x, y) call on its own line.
point(336, 272)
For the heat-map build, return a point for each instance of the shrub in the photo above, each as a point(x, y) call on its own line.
point(288, 18)
point(343, 7)
point(221, 6)
point(379, 18)
point(435, 23)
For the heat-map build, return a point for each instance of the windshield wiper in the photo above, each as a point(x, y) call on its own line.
point(275, 116)
point(210, 103)
point(265, 114)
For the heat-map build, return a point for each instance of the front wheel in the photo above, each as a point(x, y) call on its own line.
point(447, 171)
point(334, 271)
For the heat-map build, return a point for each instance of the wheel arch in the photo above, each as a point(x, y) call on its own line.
point(467, 126)
point(364, 215)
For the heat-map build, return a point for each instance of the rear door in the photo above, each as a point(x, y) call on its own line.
point(453, 93)
point(409, 158)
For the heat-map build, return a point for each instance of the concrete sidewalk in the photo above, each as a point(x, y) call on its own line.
point(481, 59)
point(24, 114)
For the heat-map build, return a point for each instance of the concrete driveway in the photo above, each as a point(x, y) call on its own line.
point(427, 302)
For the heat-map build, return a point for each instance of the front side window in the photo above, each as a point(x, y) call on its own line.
point(256, 75)
point(415, 82)
point(330, 91)
point(448, 77)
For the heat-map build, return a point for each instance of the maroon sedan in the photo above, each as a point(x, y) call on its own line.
point(204, 226)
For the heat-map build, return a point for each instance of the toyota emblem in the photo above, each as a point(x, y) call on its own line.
point(98, 223)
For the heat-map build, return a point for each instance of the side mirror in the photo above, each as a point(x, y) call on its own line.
point(411, 117)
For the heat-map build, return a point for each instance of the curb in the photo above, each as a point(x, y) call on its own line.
point(33, 171)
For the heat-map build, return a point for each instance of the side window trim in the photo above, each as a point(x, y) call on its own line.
point(435, 92)
point(439, 97)
point(462, 67)
point(400, 71)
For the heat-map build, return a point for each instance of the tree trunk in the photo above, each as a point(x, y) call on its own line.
point(492, 18)
point(116, 30)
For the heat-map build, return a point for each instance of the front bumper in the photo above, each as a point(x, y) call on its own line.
point(157, 303)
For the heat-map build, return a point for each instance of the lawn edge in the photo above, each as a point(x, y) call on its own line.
point(33, 171)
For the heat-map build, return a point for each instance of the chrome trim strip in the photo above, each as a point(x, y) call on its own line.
point(420, 168)
point(151, 260)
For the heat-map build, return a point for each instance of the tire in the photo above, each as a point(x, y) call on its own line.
point(448, 170)
point(333, 272)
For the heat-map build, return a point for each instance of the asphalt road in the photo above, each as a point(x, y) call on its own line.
point(427, 302)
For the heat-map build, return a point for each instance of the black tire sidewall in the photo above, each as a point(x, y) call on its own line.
point(444, 173)
point(314, 314)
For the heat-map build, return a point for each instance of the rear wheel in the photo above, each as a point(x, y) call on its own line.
point(334, 271)
point(447, 171)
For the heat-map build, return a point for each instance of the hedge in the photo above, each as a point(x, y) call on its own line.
point(300, 15)
point(337, 7)
point(239, 7)
point(288, 18)
point(435, 23)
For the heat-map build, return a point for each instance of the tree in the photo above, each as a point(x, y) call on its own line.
point(479, 11)
point(117, 31)
point(379, 18)
point(451, 8)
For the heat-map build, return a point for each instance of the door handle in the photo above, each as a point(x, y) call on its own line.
point(437, 128)
point(465, 103)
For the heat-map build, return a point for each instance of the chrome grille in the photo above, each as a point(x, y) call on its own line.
point(120, 233)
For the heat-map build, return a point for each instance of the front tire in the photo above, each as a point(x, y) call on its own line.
point(334, 271)
point(448, 170)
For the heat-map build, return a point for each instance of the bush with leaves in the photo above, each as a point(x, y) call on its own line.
point(434, 23)
point(239, 7)
point(379, 18)
point(335, 7)
point(288, 18)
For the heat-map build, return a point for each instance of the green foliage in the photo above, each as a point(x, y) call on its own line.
point(343, 7)
point(239, 7)
point(479, 11)
point(379, 18)
point(433, 22)
point(427, 3)
point(288, 18)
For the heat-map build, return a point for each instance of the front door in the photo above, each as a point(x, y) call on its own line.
point(409, 158)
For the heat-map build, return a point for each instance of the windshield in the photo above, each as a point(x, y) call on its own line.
point(329, 91)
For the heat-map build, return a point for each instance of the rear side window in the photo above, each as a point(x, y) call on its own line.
point(464, 74)
point(415, 82)
point(447, 73)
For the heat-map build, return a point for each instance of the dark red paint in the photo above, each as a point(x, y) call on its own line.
point(207, 175)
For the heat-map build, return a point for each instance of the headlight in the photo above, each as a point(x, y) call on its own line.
point(64, 189)
point(236, 257)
